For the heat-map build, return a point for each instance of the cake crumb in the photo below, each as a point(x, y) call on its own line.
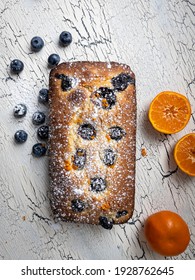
point(144, 152)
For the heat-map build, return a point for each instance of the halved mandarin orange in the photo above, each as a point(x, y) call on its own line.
point(169, 112)
point(184, 154)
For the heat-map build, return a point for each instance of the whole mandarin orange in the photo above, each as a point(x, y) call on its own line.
point(167, 233)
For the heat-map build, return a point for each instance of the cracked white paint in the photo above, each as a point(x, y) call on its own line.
point(156, 38)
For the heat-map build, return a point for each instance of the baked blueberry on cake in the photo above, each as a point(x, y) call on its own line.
point(92, 142)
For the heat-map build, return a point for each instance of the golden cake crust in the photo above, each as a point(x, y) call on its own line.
point(76, 99)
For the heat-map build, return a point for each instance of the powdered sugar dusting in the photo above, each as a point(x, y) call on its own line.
point(67, 114)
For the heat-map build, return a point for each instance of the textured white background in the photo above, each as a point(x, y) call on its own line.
point(156, 38)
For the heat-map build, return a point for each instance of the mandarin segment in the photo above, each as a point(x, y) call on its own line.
point(144, 152)
point(169, 112)
point(184, 154)
point(67, 165)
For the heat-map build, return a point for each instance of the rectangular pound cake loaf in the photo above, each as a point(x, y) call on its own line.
point(92, 142)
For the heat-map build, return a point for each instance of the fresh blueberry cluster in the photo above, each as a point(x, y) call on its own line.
point(21, 136)
point(36, 44)
point(38, 118)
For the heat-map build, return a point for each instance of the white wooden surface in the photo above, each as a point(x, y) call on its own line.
point(156, 38)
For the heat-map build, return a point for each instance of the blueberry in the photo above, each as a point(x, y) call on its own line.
point(53, 59)
point(97, 184)
point(121, 213)
point(38, 118)
point(116, 133)
point(87, 131)
point(107, 96)
point(20, 110)
point(43, 132)
point(105, 222)
point(39, 150)
point(43, 95)
point(60, 76)
point(109, 157)
point(16, 66)
point(122, 81)
point(65, 38)
point(79, 159)
point(20, 136)
point(77, 205)
point(67, 82)
point(36, 43)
